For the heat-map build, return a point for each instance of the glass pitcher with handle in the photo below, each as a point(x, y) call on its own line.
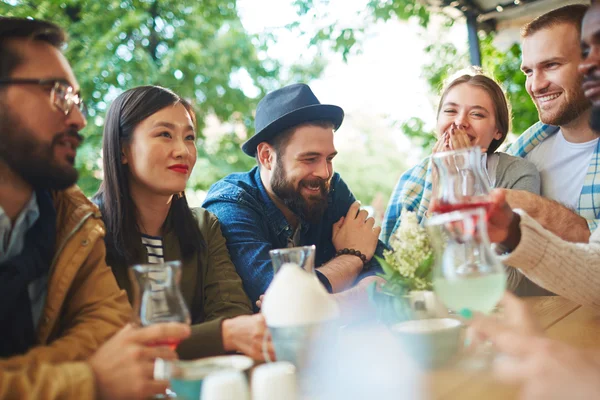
point(460, 180)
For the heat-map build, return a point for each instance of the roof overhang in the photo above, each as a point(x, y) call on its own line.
point(496, 14)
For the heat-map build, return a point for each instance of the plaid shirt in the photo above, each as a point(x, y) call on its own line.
point(588, 205)
point(412, 193)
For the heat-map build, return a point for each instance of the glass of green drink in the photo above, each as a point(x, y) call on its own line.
point(467, 276)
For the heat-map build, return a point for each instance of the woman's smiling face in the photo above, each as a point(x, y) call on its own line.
point(471, 109)
point(162, 152)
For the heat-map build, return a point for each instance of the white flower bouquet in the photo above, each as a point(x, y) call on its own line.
point(407, 267)
point(410, 261)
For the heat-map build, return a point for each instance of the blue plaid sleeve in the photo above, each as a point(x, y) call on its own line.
point(589, 199)
point(533, 136)
point(407, 195)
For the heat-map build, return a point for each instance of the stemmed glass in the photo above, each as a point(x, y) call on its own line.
point(156, 295)
point(467, 275)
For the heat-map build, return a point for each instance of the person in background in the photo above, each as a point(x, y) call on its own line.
point(543, 367)
point(59, 300)
point(562, 145)
point(473, 111)
point(294, 198)
point(546, 368)
point(149, 152)
point(568, 269)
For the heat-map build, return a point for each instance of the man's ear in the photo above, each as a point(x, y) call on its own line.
point(266, 155)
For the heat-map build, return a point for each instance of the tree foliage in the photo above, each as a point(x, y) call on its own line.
point(445, 58)
point(334, 35)
point(368, 160)
point(199, 49)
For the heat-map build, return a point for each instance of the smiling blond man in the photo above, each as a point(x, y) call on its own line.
point(561, 145)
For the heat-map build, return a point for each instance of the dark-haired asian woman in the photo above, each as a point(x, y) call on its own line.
point(149, 151)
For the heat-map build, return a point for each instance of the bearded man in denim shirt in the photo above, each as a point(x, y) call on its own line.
point(293, 197)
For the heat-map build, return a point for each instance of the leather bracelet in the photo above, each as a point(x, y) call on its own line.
point(351, 252)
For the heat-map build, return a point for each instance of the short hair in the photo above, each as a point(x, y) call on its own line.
point(571, 14)
point(280, 141)
point(475, 77)
point(23, 28)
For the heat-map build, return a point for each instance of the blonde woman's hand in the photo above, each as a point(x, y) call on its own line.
point(442, 144)
point(459, 139)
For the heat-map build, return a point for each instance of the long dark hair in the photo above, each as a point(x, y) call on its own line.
point(114, 197)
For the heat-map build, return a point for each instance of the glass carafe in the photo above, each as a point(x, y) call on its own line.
point(303, 256)
point(156, 294)
point(467, 274)
point(460, 180)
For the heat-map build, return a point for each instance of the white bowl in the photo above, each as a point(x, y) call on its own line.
point(432, 342)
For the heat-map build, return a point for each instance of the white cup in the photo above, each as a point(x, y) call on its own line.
point(225, 385)
point(274, 381)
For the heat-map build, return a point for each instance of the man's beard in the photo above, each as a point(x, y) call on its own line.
point(310, 210)
point(32, 159)
point(569, 111)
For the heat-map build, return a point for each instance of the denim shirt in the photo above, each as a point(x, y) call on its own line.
point(252, 225)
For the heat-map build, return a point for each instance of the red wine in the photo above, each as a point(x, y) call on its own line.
point(172, 344)
point(443, 208)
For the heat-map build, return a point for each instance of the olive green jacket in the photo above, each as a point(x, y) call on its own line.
point(210, 286)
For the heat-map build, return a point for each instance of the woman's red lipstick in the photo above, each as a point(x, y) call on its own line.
point(181, 168)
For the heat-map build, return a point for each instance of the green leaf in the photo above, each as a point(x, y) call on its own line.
point(387, 268)
point(425, 267)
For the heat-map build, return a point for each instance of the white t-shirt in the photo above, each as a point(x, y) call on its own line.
point(562, 166)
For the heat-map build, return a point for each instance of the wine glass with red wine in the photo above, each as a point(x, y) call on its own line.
point(460, 181)
point(156, 296)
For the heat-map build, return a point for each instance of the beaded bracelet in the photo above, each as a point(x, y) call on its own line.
point(352, 252)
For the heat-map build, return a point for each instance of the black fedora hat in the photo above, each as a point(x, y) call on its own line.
point(287, 107)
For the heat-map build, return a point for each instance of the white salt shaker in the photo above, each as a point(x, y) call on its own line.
point(225, 385)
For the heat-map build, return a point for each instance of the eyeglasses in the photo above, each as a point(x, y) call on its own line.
point(62, 94)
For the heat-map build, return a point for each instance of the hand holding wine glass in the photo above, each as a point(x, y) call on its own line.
point(503, 222)
point(123, 366)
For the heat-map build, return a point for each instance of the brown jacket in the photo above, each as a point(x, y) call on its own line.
point(84, 307)
point(210, 285)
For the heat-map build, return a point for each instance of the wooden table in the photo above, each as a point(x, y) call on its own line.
point(561, 319)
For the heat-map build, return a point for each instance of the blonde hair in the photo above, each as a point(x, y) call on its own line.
point(474, 76)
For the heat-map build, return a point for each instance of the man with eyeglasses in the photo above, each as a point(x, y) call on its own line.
point(59, 302)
